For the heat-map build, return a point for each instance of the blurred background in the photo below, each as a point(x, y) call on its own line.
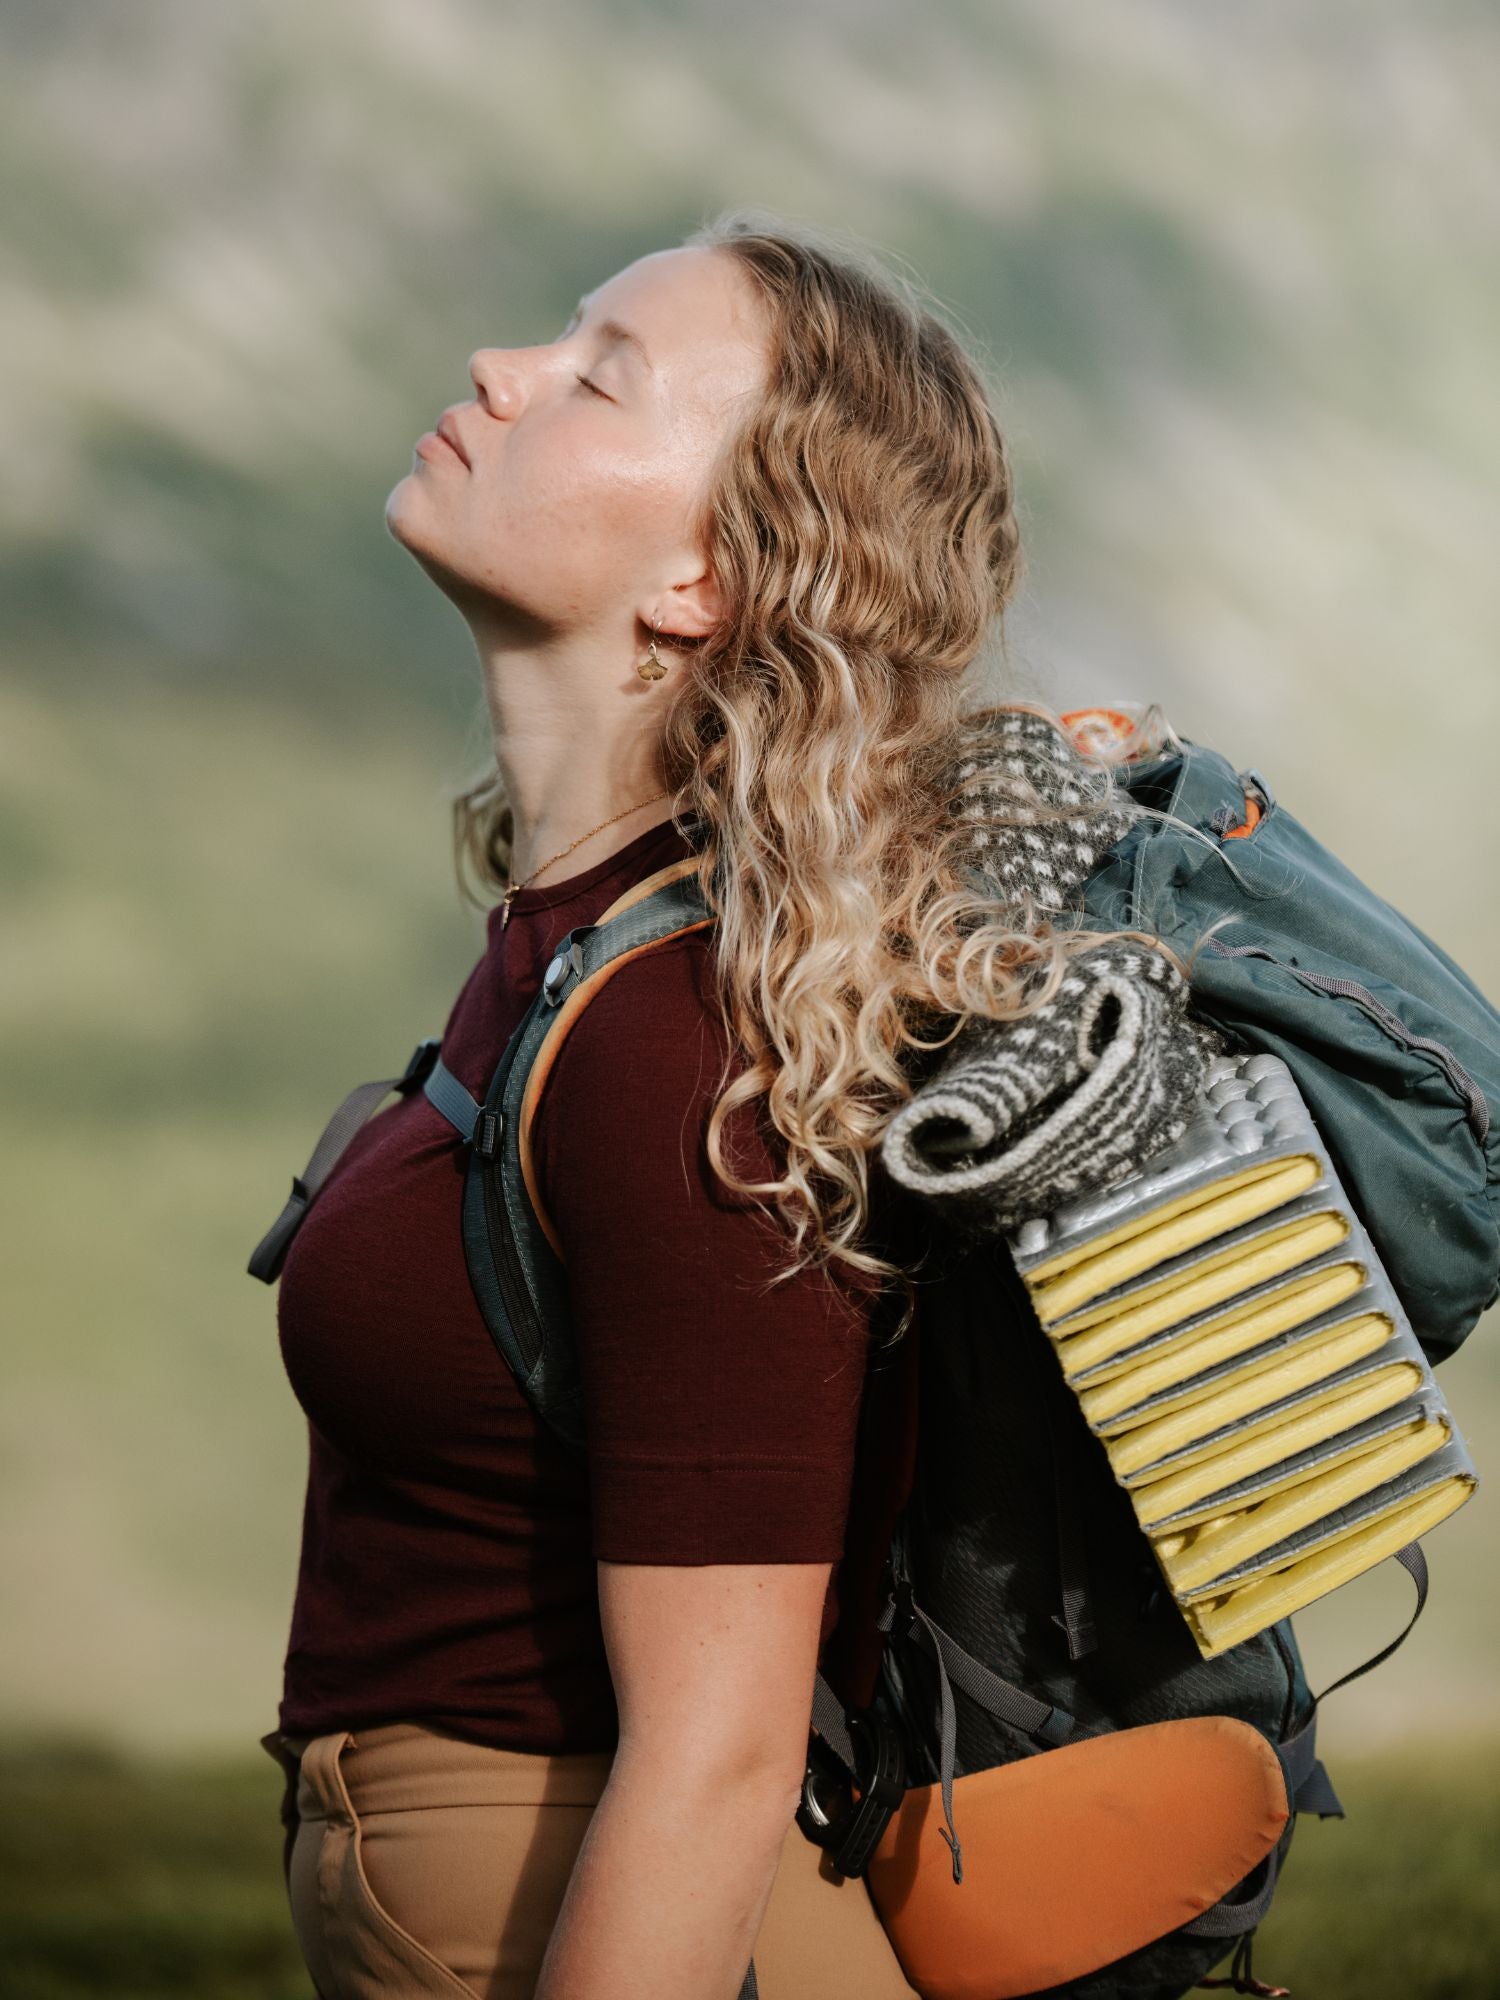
point(1234, 274)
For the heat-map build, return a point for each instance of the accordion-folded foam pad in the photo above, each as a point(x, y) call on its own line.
point(1235, 1343)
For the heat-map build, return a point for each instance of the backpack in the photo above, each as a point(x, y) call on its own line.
point(1017, 1576)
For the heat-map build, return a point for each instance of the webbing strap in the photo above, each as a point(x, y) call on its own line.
point(1059, 1415)
point(1315, 1794)
point(1226, 1919)
point(981, 1684)
point(445, 1091)
point(1414, 1561)
point(1308, 1786)
point(270, 1253)
point(828, 1720)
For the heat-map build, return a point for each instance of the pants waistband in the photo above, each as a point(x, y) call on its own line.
point(404, 1766)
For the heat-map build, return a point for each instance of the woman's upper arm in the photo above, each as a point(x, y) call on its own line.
point(721, 1416)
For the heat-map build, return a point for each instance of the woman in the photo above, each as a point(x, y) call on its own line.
point(726, 546)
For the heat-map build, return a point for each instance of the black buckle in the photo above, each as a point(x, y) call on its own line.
point(423, 1056)
point(826, 1801)
point(829, 1814)
point(903, 1612)
point(487, 1129)
point(269, 1254)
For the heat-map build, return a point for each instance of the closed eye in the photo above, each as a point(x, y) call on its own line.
point(595, 387)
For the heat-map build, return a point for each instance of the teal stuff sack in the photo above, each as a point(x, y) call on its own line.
point(1394, 1047)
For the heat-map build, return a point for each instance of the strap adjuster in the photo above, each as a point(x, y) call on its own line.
point(566, 963)
point(419, 1068)
point(880, 1772)
point(488, 1126)
point(903, 1609)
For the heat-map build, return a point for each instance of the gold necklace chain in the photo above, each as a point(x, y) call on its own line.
point(516, 887)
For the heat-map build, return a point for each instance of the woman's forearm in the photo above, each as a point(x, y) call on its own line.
point(669, 1888)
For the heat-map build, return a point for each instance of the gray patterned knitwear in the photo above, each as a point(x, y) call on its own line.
point(1023, 1115)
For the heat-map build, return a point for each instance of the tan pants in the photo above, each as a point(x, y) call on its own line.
point(421, 1864)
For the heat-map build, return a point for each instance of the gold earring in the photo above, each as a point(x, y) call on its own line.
point(652, 667)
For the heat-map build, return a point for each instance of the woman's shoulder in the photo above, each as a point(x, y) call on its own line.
point(650, 1044)
point(666, 986)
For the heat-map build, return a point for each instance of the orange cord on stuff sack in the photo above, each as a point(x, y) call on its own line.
point(1096, 729)
point(1252, 819)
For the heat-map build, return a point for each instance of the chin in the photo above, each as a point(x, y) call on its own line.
point(403, 509)
point(409, 519)
point(403, 517)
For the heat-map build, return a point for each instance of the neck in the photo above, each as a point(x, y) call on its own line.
point(577, 740)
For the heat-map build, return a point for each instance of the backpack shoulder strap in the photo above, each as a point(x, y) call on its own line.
point(661, 907)
point(511, 1246)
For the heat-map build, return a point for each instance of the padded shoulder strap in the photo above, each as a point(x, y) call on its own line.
point(663, 906)
point(510, 1245)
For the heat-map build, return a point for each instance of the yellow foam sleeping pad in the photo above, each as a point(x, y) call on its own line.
point(1249, 1608)
point(1262, 1379)
point(1197, 1555)
point(1116, 1345)
point(1263, 1444)
point(1074, 1277)
point(1241, 1406)
point(1252, 1376)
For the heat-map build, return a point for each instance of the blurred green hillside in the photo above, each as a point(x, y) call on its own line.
point(1234, 276)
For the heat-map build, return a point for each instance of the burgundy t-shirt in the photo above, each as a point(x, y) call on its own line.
point(449, 1538)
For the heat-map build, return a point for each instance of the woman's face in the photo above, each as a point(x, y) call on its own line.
point(568, 501)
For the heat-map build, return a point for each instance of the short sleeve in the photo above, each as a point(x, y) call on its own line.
point(721, 1416)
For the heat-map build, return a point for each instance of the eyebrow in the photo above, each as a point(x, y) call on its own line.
point(611, 329)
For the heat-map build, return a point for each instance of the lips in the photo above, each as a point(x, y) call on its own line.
point(448, 431)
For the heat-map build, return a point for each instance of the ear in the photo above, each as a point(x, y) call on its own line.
point(687, 610)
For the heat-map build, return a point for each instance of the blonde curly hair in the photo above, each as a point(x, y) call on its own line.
point(861, 524)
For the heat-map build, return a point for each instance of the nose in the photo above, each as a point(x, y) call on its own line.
point(497, 381)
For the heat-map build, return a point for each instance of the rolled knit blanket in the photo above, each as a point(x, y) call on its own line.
point(1010, 760)
point(1023, 1115)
